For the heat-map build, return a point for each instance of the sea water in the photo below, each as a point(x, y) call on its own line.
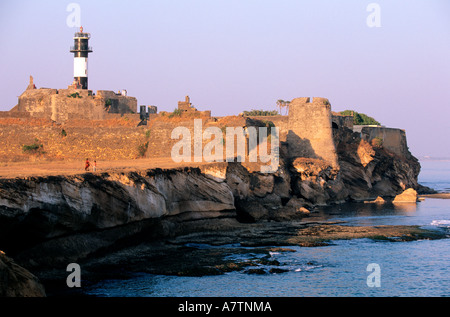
point(344, 268)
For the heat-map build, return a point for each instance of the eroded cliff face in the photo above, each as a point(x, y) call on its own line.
point(43, 208)
point(370, 170)
point(51, 221)
point(15, 281)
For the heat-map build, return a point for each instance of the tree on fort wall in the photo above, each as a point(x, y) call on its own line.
point(262, 113)
point(360, 118)
point(283, 104)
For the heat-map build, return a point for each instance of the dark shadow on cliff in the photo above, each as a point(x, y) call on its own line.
point(299, 147)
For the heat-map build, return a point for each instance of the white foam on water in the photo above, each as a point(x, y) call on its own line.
point(441, 223)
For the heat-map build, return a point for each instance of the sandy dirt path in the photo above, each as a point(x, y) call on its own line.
point(43, 168)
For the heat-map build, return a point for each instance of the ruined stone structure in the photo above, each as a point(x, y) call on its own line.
point(62, 105)
point(310, 132)
point(339, 121)
point(107, 125)
point(186, 105)
point(392, 139)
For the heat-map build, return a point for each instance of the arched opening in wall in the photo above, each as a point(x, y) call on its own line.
point(334, 125)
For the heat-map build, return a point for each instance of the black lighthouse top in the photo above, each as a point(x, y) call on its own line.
point(81, 46)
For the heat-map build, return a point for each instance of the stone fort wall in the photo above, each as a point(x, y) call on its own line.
point(310, 132)
point(73, 128)
point(110, 139)
point(392, 139)
point(62, 105)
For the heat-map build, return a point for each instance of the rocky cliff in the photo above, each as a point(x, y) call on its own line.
point(48, 222)
point(15, 281)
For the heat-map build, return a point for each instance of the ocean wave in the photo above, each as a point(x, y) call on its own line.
point(441, 223)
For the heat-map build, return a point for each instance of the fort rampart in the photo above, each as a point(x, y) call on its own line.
point(74, 124)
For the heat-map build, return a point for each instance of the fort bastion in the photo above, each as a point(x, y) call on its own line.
point(74, 123)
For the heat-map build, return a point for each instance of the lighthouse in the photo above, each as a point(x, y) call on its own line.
point(81, 49)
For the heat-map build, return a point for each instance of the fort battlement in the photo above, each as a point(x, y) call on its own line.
point(310, 132)
point(62, 105)
point(76, 123)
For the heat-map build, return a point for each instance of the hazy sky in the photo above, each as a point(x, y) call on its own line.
point(235, 55)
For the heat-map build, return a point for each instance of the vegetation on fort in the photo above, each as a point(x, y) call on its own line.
point(360, 118)
point(377, 142)
point(176, 113)
point(283, 104)
point(262, 113)
point(108, 103)
point(35, 148)
point(142, 149)
point(74, 95)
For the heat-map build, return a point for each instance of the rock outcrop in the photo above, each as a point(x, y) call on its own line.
point(48, 222)
point(369, 171)
point(15, 281)
point(408, 196)
point(39, 210)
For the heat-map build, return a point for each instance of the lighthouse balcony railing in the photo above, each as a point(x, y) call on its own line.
point(82, 35)
point(81, 49)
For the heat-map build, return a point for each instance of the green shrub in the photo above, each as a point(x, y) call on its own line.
point(176, 113)
point(360, 118)
point(142, 149)
point(260, 113)
point(108, 103)
point(74, 95)
point(35, 148)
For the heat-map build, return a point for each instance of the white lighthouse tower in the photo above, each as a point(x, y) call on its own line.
point(81, 49)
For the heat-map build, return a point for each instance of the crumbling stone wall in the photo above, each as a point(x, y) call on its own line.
point(119, 103)
point(186, 105)
point(340, 121)
point(279, 121)
point(393, 140)
point(36, 102)
point(111, 139)
point(310, 130)
point(161, 143)
point(68, 104)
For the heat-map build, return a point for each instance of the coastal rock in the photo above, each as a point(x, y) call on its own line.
point(34, 210)
point(15, 281)
point(379, 200)
point(251, 211)
point(48, 220)
point(261, 185)
point(365, 153)
point(369, 171)
point(408, 196)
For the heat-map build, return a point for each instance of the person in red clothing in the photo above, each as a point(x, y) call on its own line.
point(86, 166)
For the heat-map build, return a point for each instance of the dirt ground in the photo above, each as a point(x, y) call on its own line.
point(47, 168)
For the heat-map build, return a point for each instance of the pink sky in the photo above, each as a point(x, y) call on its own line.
point(235, 55)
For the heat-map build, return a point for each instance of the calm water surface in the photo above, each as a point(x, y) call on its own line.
point(416, 268)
